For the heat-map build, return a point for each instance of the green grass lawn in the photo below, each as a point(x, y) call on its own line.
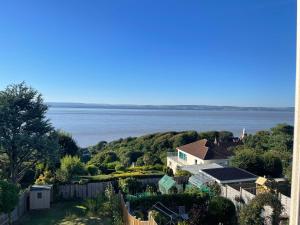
point(66, 213)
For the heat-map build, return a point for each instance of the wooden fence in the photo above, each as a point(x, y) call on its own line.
point(91, 190)
point(19, 211)
point(132, 220)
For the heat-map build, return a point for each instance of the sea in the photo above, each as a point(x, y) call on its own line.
point(88, 126)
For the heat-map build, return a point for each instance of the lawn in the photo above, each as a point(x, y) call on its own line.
point(67, 213)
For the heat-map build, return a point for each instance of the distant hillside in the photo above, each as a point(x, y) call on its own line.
point(167, 107)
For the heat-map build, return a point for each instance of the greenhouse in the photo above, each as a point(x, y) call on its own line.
point(168, 185)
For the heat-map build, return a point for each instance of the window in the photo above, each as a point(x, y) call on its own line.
point(39, 195)
point(196, 162)
point(182, 156)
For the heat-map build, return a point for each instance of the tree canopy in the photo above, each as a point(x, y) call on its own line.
point(26, 136)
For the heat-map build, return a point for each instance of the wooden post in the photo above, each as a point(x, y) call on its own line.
point(295, 195)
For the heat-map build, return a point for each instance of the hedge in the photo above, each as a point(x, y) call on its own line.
point(144, 203)
point(115, 176)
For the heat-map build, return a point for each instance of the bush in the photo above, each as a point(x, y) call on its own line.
point(130, 185)
point(251, 213)
point(69, 168)
point(120, 168)
point(45, 178)
point(92, 170)
point(9, 198)
point(221, 211)
point(144, 203)
point(180, 173)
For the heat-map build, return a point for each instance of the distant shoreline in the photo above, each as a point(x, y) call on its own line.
point(167, 107)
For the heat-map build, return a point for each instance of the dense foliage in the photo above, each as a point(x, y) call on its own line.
point(9, 197)
point(201, 208)
point(70, 167)
point(147, 150)
point(266, 153)
point(26, 136)
point(251, 214)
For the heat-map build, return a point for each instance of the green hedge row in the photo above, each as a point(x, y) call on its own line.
point(144, 203)
point(115, 176)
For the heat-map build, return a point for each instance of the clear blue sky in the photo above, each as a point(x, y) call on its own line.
point(233, 52)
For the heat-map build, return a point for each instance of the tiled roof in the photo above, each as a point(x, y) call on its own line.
point(205, 150)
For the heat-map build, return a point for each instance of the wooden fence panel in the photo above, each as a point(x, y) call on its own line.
point(131, 220)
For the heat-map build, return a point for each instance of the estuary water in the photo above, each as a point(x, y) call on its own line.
point(91, 125)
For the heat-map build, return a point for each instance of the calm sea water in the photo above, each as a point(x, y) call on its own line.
point(91, 125)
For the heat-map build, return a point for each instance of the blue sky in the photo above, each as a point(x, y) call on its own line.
point(233, 52)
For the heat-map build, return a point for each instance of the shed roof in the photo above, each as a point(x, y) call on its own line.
point(41, 187)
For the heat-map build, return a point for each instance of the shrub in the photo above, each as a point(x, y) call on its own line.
point(221, 211)
point(251, 213)
point(9, 197)
point(144, 203)
point(92, 170)
point(45, 178)
point(182, 173)
point(120, 167)
point(130, 185)
point(69, 168)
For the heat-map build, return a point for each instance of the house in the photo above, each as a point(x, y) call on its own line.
point(40, 196)
point(199, 152)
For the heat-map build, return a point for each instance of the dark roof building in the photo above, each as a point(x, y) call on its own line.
point(228, 175)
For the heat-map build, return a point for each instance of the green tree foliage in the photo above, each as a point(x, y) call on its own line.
point(215, 188)
point(267, 152)
point(251, 213)
point(67, 145)
point(92, 170)
point(103, 158)
point(130, 185)
point(221, 211)
point(180, 172)
point(262, 164)
point(272, 165)
point(26, 136)
point(9, 198)
point(249, 160)
point(150, 149)
point(70, 167)
point(198, 214)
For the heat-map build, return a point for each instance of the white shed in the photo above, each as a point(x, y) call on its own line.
point(40, 196)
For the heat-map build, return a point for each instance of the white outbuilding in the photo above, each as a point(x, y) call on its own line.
point(40, 196)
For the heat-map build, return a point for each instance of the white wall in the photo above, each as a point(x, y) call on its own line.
point(40, 203)
point(191, 160)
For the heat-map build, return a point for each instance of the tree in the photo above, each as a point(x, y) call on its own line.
point(9, 198)
point(26, 136)
point(67, 145)
point(70, 167)
point(198, 214)
point(130, 185)
point(272, 165)
point(249, 160)
point(221, 211)
point(251, 214)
